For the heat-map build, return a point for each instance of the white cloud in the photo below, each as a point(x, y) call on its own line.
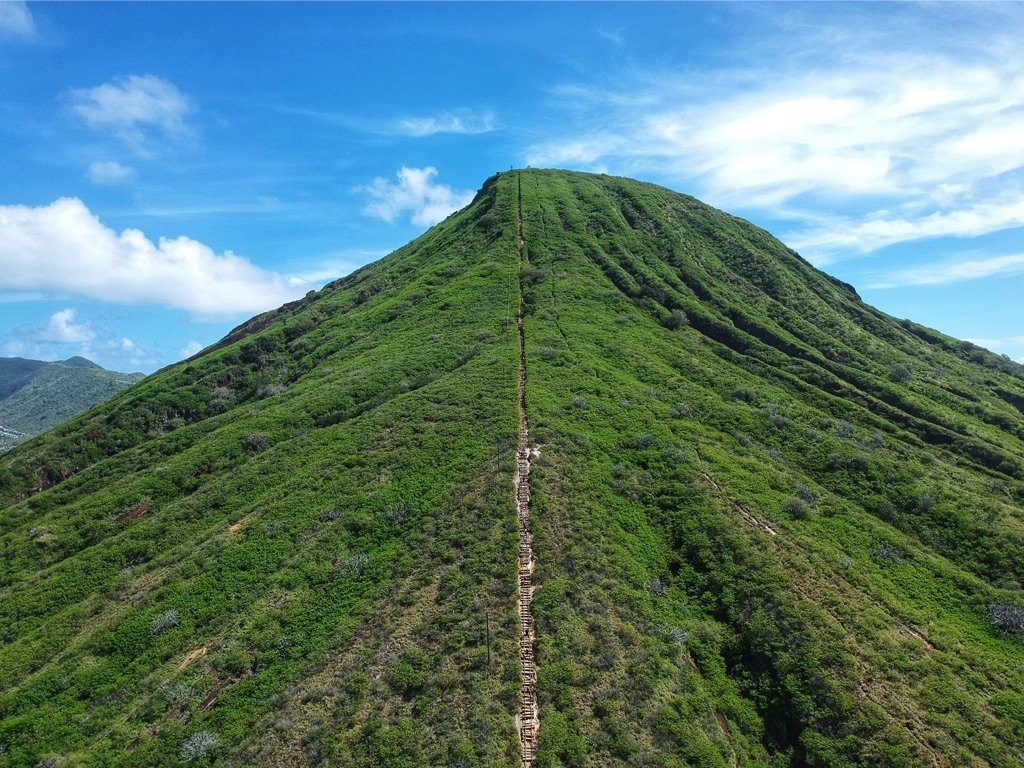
point(880, 229)
point(63, 329)
point(192, 348)
point(131, 106)
point(415, 192)
point(16, 20)
point(953, 272)
point(110, 172)
point(888, 126)
point(450, 122)
point(898, 146)
point(63, 247)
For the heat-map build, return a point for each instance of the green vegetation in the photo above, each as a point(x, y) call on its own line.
point(774, 526)
point(36, 396)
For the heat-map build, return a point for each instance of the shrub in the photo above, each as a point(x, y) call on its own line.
point(198, 745)
point(354, 565)
point(255, 443)
point(677, 635)
point(269, 390)
point(852, 462)
point(397, 513)
point(743, 395)
point(772, 417)
point(644, 441)
point(177, 691)
point(874, 440)
point(676, 320)
point(806, 493)
point(797, 508)
point(164, 621)
point(901, 373)
point(1007, 617)
point(657, 587)
point(411, 673)
point(532, 275)
point(845, 429)
point(888, 553)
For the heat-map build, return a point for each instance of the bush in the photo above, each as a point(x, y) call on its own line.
point(772, 417)
point(854, 462)
point(255, 443)
point(1007, 617)
point(164, 621)
point(901, 374)
point(411, 673)
point(532, 275)
point(198, 745)
point(797, 508)
point(644, 441)
point(354, 565)
point(682, 410)
point(888, 553)
point(806, 493)
point(676, 320)
point(743, 395)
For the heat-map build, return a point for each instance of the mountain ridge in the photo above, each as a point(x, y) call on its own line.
point(36, 395)
point(768, 522)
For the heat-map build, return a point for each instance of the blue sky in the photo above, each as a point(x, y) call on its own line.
point(168, 170)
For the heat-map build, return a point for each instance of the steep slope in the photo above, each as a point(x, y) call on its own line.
point(36, 395)
point(764, 523)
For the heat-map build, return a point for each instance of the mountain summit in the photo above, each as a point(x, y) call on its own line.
point(590, 474)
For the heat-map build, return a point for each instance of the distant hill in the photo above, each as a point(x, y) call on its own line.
point(36, 396)
point(590, 475)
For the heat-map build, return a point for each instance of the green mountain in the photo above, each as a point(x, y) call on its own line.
point(589, 471)
point(36, 396)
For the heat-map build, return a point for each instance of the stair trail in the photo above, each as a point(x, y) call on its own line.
point(528, 719)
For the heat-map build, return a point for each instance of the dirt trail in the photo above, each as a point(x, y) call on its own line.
point(528, 720)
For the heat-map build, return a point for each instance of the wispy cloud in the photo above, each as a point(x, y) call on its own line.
point(463, 122)
point(134, 109)
point(459, 121)
point(901, 144)
point(62, 247)
point(16, 20)
point(110, 172)
point(191, 348)
point(415, 193)
point(883, 228)
point(952, 272)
